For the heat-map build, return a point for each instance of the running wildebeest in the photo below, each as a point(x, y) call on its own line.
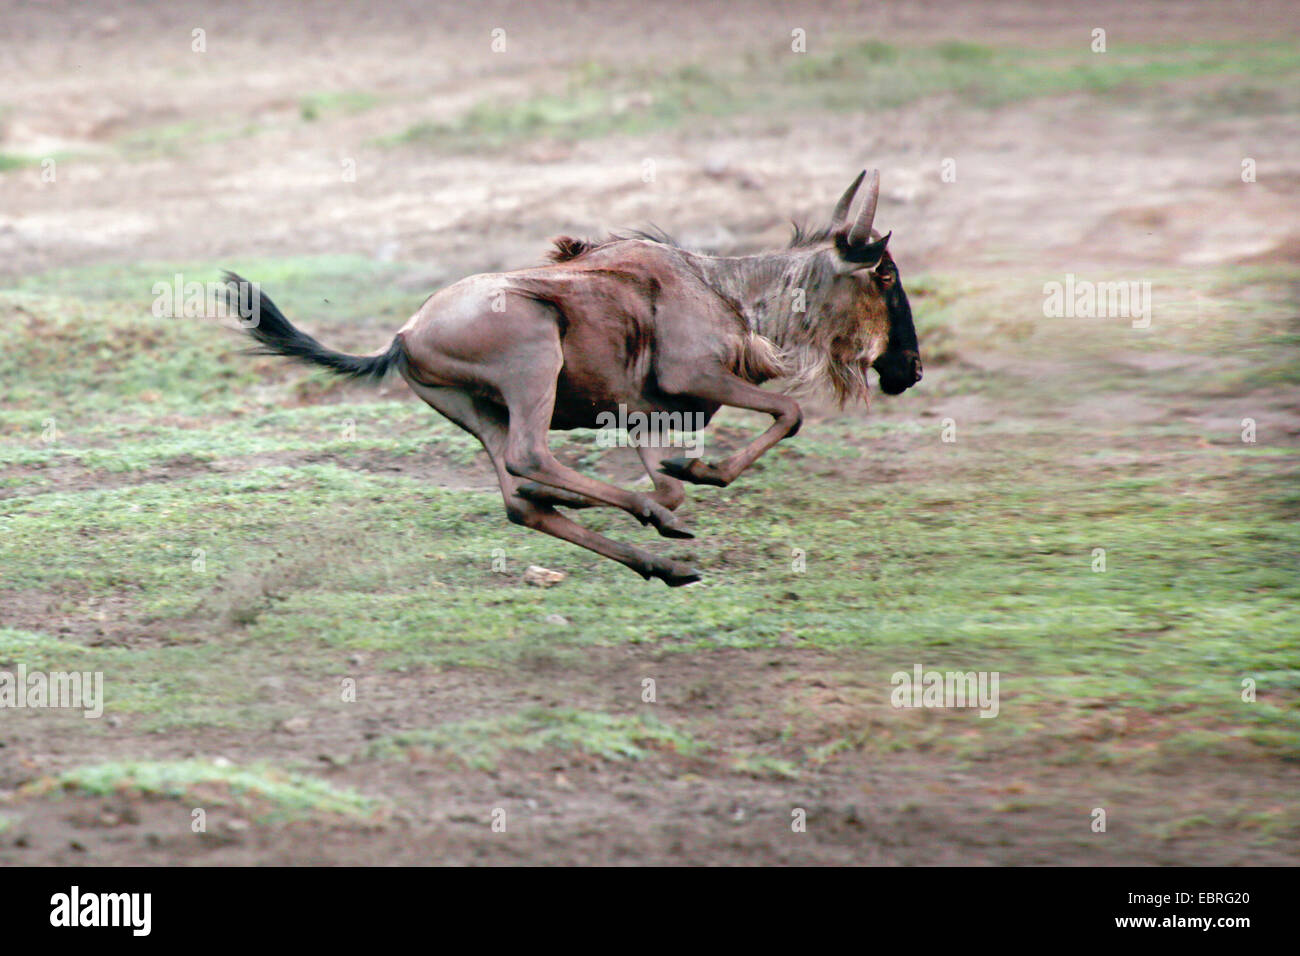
point(640, 323)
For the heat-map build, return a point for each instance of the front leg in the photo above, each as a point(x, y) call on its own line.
point(724, 388)
point(668, 491)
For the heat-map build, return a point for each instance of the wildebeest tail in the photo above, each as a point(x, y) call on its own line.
point(276, 335)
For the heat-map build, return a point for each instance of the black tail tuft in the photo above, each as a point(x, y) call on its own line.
point(276, 335)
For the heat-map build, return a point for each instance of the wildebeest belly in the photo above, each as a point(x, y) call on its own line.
point(583, 400)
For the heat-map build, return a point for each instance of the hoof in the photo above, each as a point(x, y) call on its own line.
point(693, 470)
point(670, 573)
point(677, 577)
point(664, 521)
point(673, 529)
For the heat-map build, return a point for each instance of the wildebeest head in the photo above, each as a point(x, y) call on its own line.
point(868, 293)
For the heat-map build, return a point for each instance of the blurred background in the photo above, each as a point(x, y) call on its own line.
point(227, 538)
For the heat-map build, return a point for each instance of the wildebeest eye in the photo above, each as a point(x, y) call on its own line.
point(884, 278)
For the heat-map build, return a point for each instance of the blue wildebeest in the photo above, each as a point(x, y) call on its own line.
point(640, 325)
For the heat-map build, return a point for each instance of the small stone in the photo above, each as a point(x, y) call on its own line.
point(558, 620)
point(295, 725)
point(541, 577)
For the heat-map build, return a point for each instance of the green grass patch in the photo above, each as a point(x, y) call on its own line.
point(271, 793)
point(764, 766)
point(481, 744)
point(600, 100)
point(219, 504)
point(169, 139)
point(315, 105)
point(103, 321)
point(12, 161)
point(189, 680)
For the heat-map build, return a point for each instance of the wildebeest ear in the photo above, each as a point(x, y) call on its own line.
point(865, 255)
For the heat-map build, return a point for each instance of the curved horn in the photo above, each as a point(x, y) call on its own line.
point(842, 207)
point(862, 228)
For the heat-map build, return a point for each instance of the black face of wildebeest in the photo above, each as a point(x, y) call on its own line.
point(899, 367)
point(875, 314)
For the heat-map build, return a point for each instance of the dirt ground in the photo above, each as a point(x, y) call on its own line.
point(77, 79)
point(1044, 186)
point(668, 809)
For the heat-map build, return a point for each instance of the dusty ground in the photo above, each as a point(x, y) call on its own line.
point(1054, 178)
point(177, 156)
point(666, 809)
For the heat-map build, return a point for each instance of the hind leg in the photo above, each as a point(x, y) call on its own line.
point(529, 395)
point(668, 492)
point(546, 519)
point(513, 356)
point(489, 424)
point(546, 495)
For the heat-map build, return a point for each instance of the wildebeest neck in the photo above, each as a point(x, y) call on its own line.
point(789, 298)
point(780, 295)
